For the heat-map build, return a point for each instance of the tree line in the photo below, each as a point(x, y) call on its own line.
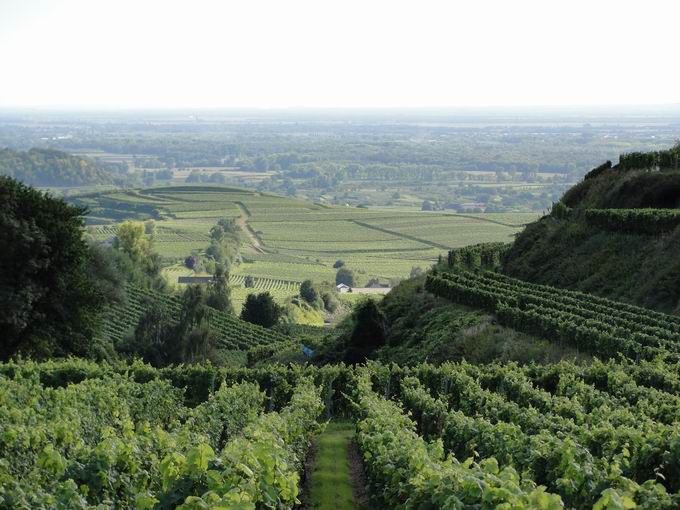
point(49, 167)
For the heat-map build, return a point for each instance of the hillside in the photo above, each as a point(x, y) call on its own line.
point(616, 234)
point(47, 167)
point(234, 334)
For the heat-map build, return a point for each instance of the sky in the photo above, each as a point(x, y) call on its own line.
point(108, 54)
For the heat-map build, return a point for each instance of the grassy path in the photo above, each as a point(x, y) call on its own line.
point(331, 481)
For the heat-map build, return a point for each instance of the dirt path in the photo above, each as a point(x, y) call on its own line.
point(242, 222)
point(334, 473)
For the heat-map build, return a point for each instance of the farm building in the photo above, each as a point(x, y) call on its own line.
point(194, 279)
point(373, 288)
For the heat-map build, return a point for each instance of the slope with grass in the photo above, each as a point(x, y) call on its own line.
point(605, 238)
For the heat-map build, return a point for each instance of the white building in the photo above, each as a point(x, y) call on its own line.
point(342, 288)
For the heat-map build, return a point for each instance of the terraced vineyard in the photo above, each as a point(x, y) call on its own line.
point(233, 332)
point(598, 325)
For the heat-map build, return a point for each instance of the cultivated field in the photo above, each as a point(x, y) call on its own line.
point(290, 240)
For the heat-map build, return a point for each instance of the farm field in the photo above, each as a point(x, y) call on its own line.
point(290, 240)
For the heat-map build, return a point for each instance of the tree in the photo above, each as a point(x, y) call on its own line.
point(106, 275)
point(344, 275)
point(249, 282)
point(193, 310)
point(416, 271)
point(150, 228)
point(50, 167)
point(261, 309)
point(130, 238)
point(48, 302)
point(368, 333)
point(338, 264)
point(155, 336)
point(219, 293)
point(330, 302)
point(309, 293)
point(191, 261)
point(217, 233)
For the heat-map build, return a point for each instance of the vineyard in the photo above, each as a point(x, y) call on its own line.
point(86, 435)
point(299, 240)
point(639, 221)
point(597, 325)
point(112, 442)
point(233, 333)
point(270, 284)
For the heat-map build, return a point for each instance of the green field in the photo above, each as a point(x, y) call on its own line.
point(290, 240)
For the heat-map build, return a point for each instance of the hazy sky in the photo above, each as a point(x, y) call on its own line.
point(342, 53)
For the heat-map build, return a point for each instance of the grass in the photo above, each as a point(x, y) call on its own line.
point(331, 480)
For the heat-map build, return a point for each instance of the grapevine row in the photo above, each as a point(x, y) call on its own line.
point(561, 315)
point(638, 221)
point(112, 442)
point(233, 332)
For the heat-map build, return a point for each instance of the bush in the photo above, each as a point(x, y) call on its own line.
point(368, 333)
point(261, 309)
point(309, 293)
point(330, 302)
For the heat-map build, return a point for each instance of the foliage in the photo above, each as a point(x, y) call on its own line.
point(478, 256)
point(405, 472)
point(49, 167)
point(639, 221)
point(330, 301)
point(133, 241)
point(598, 170)
point(113, 442)
point(604, 327)
point(344, 275)
point(368, 332)
point(479, 435)
point(668, 159)
point(261, 309)
point(48, 302)
point(309, 293)
point(226, 239)
point(227, 332)
point(219, 292)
